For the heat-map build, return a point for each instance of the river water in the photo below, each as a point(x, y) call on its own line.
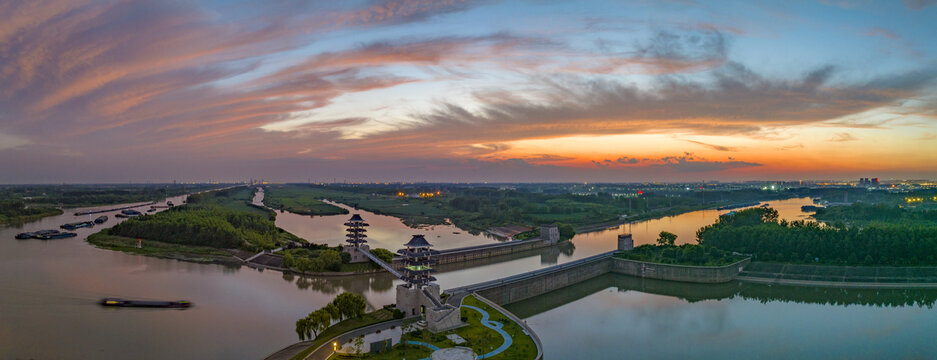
point(49, 289)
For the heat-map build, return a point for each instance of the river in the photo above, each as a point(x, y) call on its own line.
point(49, 289)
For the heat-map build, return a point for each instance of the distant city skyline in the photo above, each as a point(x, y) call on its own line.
point(467, 91)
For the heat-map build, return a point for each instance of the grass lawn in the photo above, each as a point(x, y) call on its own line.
point(344, 326)
point(297, 200)
point(105, 240)
point(481, 339)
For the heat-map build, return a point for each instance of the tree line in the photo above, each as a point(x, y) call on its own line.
point(757, 231)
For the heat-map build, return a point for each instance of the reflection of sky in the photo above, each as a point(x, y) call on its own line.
point(609, 323)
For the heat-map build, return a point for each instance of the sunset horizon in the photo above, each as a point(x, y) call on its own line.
point(411, 90)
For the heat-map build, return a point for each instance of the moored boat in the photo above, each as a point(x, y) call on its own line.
point(100, 219)
point(25, 235)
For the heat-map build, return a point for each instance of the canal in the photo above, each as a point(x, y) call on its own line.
point(48, 291)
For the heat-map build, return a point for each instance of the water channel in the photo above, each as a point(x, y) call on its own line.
point(48, 291)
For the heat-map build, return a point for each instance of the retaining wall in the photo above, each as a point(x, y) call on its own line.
point(527, 285)
point(519, 287)
point(694, 274)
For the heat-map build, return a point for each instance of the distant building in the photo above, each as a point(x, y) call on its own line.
point(625, 242)
point(550, 233)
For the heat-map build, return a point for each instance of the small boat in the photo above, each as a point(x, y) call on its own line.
point(25, 235)
point(58, 235)
point(100, 219)
point(117, 302)
point(77, 225)
point(169, 203)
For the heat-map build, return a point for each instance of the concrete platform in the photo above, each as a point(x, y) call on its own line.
point(453, 353)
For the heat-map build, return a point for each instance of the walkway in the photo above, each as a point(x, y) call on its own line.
point(496, 326)
point(380, 262)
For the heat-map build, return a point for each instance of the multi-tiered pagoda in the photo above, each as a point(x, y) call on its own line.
point(356, 231)
point(417, 270)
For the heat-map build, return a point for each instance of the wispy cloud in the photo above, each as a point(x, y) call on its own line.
point(843, 137)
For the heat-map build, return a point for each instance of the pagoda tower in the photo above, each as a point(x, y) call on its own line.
point(356, 239)
point(417, 267)
point(356, 230)
point(419, 296)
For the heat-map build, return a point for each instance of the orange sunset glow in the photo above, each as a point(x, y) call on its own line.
point(462, 90)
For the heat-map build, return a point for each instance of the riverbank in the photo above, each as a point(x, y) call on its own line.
point(197, 254)
point(840, 276)
point(22, 219)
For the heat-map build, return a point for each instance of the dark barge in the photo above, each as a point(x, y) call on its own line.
point(58, 235)
point(100, 219)
point(77, 225)
point(117, 302)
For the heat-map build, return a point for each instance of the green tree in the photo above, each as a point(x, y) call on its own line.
point(319, 320)
point(350, 305)
point(383, 254)
point(666, 238)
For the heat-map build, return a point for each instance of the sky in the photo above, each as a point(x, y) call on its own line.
point(467, 91)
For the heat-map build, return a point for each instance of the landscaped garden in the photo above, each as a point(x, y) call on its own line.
point(489, 333)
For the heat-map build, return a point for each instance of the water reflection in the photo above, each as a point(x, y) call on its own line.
point(661, 319)
point(385, 231)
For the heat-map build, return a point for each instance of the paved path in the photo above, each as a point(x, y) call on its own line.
point(496, 326)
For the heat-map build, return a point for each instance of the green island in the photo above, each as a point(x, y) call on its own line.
point(298, 201)
point(757, 231)
point(476, 209)
point(665, 252)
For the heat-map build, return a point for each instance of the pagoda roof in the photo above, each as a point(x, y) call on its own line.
point(418, 241)
point(356, 217)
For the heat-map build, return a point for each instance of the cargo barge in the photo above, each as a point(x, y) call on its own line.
point(117, 302)
point(77, 225)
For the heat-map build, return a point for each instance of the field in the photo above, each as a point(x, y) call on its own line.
point(297, 201)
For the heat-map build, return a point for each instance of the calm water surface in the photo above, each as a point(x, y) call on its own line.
point(48, 290)
point(616, 317)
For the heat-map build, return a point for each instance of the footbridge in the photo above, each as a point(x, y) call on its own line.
point(381, 263)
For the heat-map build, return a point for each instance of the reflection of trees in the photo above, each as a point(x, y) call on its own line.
point(567, 248)
point(840, 296)
point(359, 284)
point(692, 292)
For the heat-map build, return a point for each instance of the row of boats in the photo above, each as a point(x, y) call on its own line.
point(56, 234)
